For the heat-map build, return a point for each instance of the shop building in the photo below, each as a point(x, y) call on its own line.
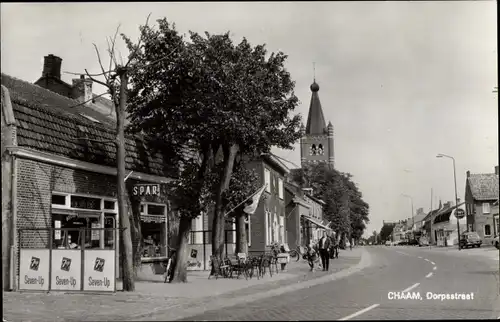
point(59, 171)
point(481, 198)
point(305, 218)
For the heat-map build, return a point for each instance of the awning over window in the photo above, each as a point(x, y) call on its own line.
point(316, 222)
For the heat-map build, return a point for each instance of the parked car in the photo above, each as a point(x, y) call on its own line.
point(495, 242)
point(470, 239)
point(413, 242)
point(388, 243)
point(423, 242)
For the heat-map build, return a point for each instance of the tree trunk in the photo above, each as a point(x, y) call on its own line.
point(136, 232)
point(219, 221)
point(241, 233)
point(180, 264)
point(126, 235)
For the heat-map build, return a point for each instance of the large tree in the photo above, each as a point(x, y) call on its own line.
point(208, 93)
point(345, 207)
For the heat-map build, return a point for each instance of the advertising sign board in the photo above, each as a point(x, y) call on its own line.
point(66, 271)
point(99, 270)
point(459, 213)
point(34, 269)
point(146, 190)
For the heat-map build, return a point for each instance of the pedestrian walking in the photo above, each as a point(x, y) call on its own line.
point(311, 256)
point(324, 246)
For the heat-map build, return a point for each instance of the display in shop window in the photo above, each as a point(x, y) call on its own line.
point(85, 203)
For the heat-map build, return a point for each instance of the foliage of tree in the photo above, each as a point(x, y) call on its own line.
point(386, 231)
point(209, 94)
point(345, 206)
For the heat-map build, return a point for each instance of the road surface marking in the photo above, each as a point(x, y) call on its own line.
point(359, 312)
point(420, 257)
point(425, 259)
point(402, 253)
point(434, 268)
point(433, 263)
point(429, 275)
point(410, 288)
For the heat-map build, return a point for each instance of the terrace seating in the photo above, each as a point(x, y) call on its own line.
point(219, 268)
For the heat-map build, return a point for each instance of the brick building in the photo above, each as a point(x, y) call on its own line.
point(481, 198)
point(59, 169)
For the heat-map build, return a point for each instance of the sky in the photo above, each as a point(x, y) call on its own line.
point(400, 81)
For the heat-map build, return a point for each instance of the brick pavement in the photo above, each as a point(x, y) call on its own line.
point(152, 294)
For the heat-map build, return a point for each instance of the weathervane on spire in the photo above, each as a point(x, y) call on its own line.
point(314, 71)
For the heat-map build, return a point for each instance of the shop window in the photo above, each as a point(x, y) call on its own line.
point(75, 215)
point(59, 200)
point(109, 204)
point(81, 202)
point(487, 230)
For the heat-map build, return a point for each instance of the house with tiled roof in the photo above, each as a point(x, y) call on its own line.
point(59, 169)
point(444, 224)
point(481, 198)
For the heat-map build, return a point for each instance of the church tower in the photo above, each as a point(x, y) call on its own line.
point(316, 146)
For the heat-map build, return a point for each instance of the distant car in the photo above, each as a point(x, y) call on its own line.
point(470, 239)
point(423, 242)
point(495, 242)
point(388, 243)
point(413, 242)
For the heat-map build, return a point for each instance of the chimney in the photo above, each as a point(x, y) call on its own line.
point(82, 90)
point(308, 191)
point(468, 174)
point(52, 66)
point(496, 170)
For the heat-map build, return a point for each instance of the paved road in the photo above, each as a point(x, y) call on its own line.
point(364, 295)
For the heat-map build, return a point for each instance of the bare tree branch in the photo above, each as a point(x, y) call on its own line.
point(112, 49)
point(100, 62)
point(97, 81)
point(132, 56)
point(95, 75)
point(89, 100)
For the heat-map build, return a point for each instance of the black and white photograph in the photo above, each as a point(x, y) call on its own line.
point(250, 161)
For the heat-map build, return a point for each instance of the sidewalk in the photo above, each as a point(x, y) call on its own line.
point(152, 294)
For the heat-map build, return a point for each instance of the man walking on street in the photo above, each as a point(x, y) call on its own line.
point(324, 245)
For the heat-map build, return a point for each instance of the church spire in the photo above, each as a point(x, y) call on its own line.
point(315, 120)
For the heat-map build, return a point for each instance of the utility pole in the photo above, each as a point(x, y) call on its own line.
point(430, 213)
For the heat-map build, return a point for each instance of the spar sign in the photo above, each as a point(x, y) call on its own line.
point(146, 190)
point(99, 270)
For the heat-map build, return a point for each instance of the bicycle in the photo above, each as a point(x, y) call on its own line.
point(297, 252)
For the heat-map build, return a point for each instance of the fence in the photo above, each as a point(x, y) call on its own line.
point(200, 248)
point(67, 259)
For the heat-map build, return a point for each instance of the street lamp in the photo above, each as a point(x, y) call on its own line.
point(412, 219)
point(440, 155)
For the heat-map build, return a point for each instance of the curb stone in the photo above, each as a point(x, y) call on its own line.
point(182, 313)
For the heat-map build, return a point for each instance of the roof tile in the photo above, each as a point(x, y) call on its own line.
point(484, 186)
point(48, 123)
